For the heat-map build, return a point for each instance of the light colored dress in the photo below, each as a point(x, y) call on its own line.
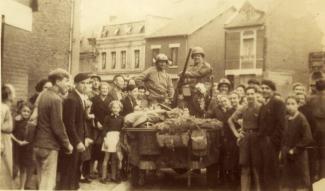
point(111, 141)
point(6, 164)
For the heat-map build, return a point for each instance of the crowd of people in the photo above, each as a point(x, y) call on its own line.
point(68, 134)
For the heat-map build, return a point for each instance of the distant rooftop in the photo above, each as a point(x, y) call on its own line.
point(122, 27)
point(189, 23)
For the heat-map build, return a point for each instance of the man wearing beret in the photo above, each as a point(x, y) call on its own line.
point(316, 104)
point(74, 117)
point(271, 121)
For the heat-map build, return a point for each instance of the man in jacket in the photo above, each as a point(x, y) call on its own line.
point(51, 133)
point(74, 117)
point(271, 123)
point(201, 71)
point(316, 105)
point(157, 81)
point(116, 92)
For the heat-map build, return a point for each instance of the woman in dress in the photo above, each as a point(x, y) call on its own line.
point(6, 164)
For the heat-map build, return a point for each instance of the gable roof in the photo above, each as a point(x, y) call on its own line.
point(189, 23)
point(248, 15)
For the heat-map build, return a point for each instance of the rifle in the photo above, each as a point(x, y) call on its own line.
point(181, 80)
point(210, 93)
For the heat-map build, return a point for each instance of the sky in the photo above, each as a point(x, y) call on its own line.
point(96, 13)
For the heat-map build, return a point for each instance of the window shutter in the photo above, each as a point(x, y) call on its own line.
point(260, 48)
point(232, 50)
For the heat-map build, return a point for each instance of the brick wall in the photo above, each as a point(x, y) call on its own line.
point(29, 56)
point(15, 59)
point(49, 47)
point(291, 35)
point(211, 37)
point(164, 42)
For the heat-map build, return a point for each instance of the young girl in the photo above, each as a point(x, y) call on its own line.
point(113, 124)
point(296, 137)
point(23, 149)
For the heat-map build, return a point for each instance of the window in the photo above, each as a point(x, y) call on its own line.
point(142, 29)
point(136, 59)
point(174, 55)
point(117, 31)
point(123, 59)
point(113, 56)
point(129, 29)
point(155, 52)
point(103, 60)
point(248, 50)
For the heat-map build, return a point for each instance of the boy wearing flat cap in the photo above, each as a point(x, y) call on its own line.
point(74, 117)
point(271, 121)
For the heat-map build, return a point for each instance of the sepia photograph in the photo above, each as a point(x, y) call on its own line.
point(162, 95)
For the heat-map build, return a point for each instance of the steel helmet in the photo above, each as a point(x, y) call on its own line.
point(161, 57)
point(224, 81)
point(197, 50)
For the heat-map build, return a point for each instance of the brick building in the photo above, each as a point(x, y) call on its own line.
point(37, 36)
point(121, 46)
point(201, 28)
point(273, 42)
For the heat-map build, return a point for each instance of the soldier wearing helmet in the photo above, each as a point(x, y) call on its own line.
point(224, 86)
point(157, 81)
point(201, 71)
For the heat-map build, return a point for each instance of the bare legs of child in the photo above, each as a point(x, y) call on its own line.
point(115, 167)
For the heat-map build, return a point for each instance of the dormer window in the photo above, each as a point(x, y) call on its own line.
point(117, 31)
point(142, 29)
point(129, 29)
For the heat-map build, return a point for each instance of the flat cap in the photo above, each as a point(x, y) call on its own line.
point(270, 84)
point(81, 77)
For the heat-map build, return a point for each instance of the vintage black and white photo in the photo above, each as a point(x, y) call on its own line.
point(170, 95)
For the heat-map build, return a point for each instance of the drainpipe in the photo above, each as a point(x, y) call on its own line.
point(71, 36)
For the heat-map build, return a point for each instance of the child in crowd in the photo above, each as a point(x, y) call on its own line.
point(113, 124)
point(296, 137)
point(23, 149)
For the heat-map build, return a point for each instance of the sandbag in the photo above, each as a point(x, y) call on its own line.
point(139, 117)
point(199, 142)
point(172, 141)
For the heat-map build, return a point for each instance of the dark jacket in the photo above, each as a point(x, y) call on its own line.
point(128, 105)
point(296, 136)
point(199, 73)
point(50, 132)
point(74, 117)
point(316, 104)
point(112, 123)
point(100, 110)
point(271, 120)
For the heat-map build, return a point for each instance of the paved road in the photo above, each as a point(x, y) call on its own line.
point(166, 181)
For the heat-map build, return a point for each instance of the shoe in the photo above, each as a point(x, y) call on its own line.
point(85, 180)
point(116, 180)
point(93, 176)
point(103, 181)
